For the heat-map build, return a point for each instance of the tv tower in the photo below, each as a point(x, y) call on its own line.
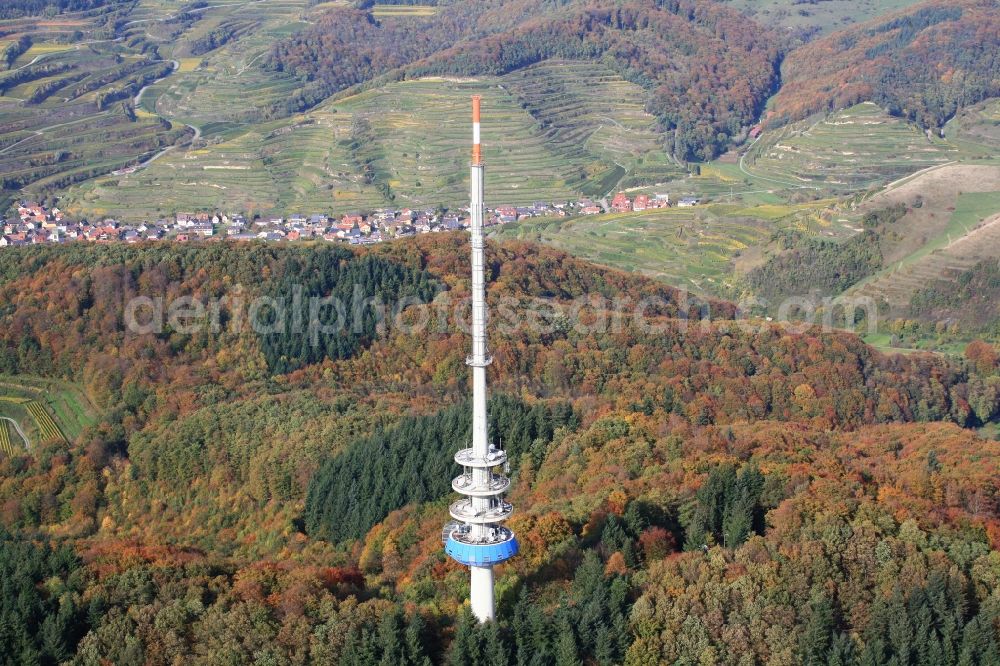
point(476, 537)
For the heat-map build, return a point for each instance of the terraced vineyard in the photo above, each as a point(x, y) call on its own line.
point(419, 144)
point(65, 112)
point(239, 160)
point(222, 90)
point(6, 442)
point(591, 114)
point(854, 149)
point(301, 164)
point(408, 141)
point(64, 28)
point(554, 131)
point(46, 425)
point(685, 247)
point(41, 158)
point(66, 107)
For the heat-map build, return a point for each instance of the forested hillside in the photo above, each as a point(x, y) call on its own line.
point(970, 299)
point(660, 471)
point(708, 69)
point(825, 266)
point(412, 462)
point(923, 63)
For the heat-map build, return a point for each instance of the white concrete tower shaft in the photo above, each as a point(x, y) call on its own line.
point(482, 577)
point(477, 537)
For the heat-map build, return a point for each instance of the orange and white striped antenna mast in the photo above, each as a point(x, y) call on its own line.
point(477, 150)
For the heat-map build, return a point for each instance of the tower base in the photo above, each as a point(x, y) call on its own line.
point(482, 593)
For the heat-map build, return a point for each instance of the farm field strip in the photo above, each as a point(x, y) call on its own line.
point(404, 10)
point(6, 443)
point(46, 424)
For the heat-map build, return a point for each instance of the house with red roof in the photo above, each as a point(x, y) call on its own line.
point(621, 203)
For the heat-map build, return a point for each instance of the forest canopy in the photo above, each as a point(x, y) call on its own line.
point(212, 510)
point(364, 288)
point(826, 266)
point(353, 492)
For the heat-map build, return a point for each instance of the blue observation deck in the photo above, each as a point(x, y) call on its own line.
point(481, 554)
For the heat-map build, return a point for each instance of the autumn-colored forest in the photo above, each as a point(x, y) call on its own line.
point(922, 64)
point(689, 489)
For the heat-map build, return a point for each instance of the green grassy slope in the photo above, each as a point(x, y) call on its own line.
point(977, 127)
point(972, 233)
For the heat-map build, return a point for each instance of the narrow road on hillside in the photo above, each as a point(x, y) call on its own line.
point(24, 438)
point(252, 61)
point(138, 98)
point(197, 135)
point(43, 56)
point(143, 165)
point(37, 58)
